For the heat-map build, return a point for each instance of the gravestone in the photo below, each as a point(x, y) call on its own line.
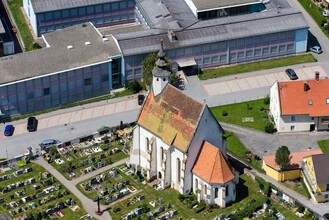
point(86, 162)
point(114, 197)
point(140, 198)
point(11, 176)
point(99, 165)
point(120, 185)
point(40, 176)
point(2, 200)
point(126, 183)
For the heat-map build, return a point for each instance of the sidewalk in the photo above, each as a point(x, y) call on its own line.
point(89, 206)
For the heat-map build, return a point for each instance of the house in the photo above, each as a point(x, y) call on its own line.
point(300, 105)
point(315, 169)
point(292, 171)
point(178, 141)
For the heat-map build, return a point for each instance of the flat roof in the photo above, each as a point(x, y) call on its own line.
point(53, 5)
point(58, 57)
point(214, 30)
point(202, 5)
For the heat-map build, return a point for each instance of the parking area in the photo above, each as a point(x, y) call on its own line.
point(254, 82)
point(78, 115)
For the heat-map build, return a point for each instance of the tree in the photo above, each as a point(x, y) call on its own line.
point(282, 157)
point(134, 86)
point(148, 65)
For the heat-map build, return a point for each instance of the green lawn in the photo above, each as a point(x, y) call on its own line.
point(30, 191)
point(298, 186)
point(284, 211)
point(256, 66)
point(236, 112)
point(316, 13)
point(234, 145)
point(324, 146)
point(15, 8)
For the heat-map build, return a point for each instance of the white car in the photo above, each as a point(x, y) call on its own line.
point(316, 49)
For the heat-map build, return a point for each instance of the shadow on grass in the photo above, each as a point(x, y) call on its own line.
point(242, 191)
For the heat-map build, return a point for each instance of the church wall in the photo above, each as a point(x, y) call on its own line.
point(143, 149)
point(177, 183)
point(208, 130)
point(135, 150)
point(165, 174)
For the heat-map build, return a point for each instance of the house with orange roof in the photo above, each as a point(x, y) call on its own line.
point(300, 105)
point(178, 141)
point(292, 171)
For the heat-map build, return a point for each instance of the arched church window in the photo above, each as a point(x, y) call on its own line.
point(196, 183)
point(178, 170)
point(226, 190)
point(216, 193)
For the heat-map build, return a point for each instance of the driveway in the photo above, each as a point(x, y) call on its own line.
point(262, 143)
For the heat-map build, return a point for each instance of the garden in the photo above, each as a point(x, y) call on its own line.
point(30, 191)
point(92, 153)
point(253, 114)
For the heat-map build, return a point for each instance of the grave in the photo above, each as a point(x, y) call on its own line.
point(18, 172)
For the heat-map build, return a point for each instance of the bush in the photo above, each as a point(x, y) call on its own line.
point(181, 197)
point(134, 86)
point(267, 100)
point(263, 185)
point(249, 107)
point(308, 214)
point(300, 208)
point(269, 127)
point(224, 113)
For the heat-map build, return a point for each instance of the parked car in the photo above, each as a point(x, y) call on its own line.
point(9, 130)
point(316, 49)
point(49, 142)
point(291, 74)
point(32, 124)
point(141, 99)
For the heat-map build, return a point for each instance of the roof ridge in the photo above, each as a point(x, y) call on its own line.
point(214, 164)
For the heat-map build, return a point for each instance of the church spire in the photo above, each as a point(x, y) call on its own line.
point(161, 72)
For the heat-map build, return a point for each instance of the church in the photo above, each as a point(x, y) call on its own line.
point(178, 141)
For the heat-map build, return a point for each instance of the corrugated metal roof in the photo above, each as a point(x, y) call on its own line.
point(209, 4)
point(53, 5)
point(214, 31)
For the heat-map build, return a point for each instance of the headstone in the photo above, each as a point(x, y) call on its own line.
point(161, 200)
point(40, 176)
point(2, 200)
point(114, 197)
point(126, 183)
point(72, 202)
point(11, 176)
point(11, 196)
point(120, 185)
point(120, 195)
point(109, 200)
point(140, 198)
point(86, 162)
point(99, 165)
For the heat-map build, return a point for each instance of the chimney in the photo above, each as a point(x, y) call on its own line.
point(305, 87)
point(317, 75)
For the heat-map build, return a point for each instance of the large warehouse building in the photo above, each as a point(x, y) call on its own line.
point(79, 62)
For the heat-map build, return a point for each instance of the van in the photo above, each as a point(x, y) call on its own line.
point(50, 142)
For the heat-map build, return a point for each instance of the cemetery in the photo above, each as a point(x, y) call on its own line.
point(90, 153)
point(32, 192)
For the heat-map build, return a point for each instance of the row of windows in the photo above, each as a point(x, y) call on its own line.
point(82, 11)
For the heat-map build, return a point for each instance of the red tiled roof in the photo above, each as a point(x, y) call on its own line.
point(295, 162)
point(294, 100)
point(172, 115)
point(212, 166)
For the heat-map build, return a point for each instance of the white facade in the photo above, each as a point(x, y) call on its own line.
point(31, 15)
point(158, 83)
point(219, 194)
point(288, 123)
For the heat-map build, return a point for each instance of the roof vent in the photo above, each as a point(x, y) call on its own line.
point(310, 102)
point(87, 43)
point(69, 47)
point(105, 39)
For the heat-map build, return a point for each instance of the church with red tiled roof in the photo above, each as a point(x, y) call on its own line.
point(179, 142)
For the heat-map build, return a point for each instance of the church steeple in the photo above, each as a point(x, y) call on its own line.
point(161, 72)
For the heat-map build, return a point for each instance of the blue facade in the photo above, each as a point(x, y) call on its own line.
point(100, 15)
point(61, 88)
point(228, 52)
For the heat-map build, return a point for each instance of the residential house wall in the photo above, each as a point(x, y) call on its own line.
point(281, 176)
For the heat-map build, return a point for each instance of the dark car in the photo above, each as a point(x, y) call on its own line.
point(141, 99)
point(291, 73)
point(9, 130)
point(32, 124)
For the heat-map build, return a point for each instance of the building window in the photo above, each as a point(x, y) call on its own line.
point(310, 102)
point(87, 82)
point(46, 91)
point(266, 50)
point(178, 170)
point(293, 118)
point(292, 128)
point(226, 191)
point(196, 183)
point(258, 52)
point(312, 118)
point(205, 189)
point(161, 153)
point(216, 193)
point(147, 144)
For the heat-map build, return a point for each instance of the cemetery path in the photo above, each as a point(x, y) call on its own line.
point(96, 172)
point(89, 206)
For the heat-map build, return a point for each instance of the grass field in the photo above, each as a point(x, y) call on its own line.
point(236, 112)
point(324, 146)
point(256, 66)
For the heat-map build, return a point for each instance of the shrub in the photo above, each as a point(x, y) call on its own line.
point(269, 127)
point(249, 107)
point(134, 86)
point(263, 185)
point(308, 214)
point(267, 100)
point(224, 113)
point(181, 197)
point(300, 208)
